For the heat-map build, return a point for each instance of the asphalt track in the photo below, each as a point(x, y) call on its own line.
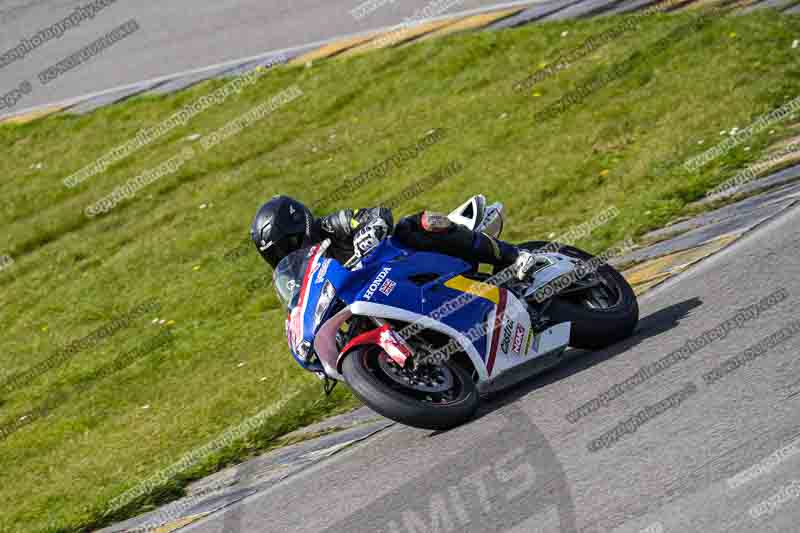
point(522, 466)
point(177, 36)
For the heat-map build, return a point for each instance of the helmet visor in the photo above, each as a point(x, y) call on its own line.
point(276, 251)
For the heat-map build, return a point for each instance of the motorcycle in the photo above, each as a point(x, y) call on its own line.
point(420, 337)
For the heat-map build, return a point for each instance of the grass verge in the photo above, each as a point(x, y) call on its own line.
point(621, 142)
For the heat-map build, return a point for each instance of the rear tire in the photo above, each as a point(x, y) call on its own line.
point(368, 382)
point(594, 328)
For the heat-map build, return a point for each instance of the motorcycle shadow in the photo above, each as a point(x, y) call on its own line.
point(574, 361)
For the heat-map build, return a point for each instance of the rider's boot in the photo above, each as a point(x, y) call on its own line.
point(525, 265)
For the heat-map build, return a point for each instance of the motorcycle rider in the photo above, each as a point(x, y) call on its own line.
point(283, 225)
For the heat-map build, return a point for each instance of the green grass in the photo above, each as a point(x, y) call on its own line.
point(72, 273)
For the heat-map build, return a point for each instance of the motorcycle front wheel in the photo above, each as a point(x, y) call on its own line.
point(434, 397)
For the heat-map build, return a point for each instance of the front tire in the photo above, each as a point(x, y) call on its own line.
point(370, 381)
point(594, 327)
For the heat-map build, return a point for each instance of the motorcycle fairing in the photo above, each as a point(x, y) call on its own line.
point(387, 286)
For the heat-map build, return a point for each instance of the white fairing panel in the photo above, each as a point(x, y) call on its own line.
point(515, 323)
point(517, 342)
point(325, 342)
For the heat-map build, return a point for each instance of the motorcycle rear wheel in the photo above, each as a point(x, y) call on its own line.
point(371, 380)
point(596, 323)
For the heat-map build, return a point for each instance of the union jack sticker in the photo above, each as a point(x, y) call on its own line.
point(387, 287)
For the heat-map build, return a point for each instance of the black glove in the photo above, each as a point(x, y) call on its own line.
point(370, 235)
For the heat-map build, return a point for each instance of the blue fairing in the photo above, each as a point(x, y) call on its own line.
point(384, 277)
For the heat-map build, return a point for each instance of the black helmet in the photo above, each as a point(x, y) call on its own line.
point(280, 227)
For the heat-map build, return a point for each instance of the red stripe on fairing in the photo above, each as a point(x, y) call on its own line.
point(391, 343)
point(498, 323)
point(298, 328)
point(307, 276)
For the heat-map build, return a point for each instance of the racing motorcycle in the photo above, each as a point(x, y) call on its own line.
point(420, 337)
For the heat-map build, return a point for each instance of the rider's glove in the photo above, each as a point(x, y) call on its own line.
point(369, 236)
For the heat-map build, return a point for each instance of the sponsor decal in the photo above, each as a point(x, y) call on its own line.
point(498, 321)
point(534, 338)
point(508, 330)
point(323, 270)
point(295, 327)
point(394, 346)
point(377, 282)
point(387, 287)
point(519, 334)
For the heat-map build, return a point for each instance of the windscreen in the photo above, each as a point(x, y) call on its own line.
point(288, 276)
